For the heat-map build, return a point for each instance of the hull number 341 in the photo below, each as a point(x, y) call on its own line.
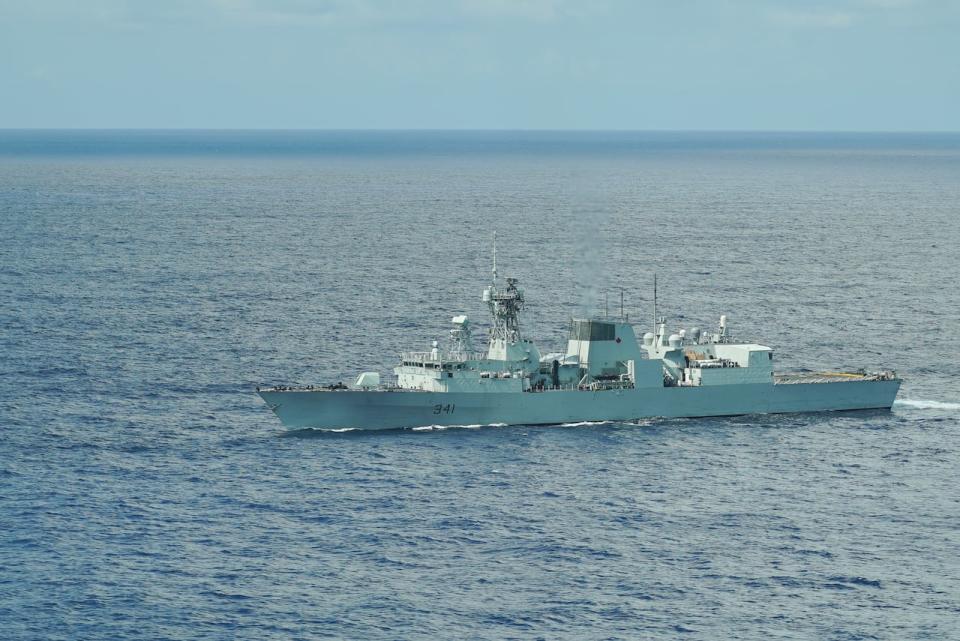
point(440, 408)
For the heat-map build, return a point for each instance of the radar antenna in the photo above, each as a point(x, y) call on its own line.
point(505, 305)
point(460, 344)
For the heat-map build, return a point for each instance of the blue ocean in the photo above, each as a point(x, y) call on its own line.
point(151, 279)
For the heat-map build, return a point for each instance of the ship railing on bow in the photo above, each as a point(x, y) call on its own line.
point(441, 357)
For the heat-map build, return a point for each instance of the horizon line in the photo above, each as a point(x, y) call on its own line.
point(477, 130)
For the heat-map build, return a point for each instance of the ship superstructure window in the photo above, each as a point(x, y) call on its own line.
point(585, 330)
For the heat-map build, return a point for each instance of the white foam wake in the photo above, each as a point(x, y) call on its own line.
point(922, 404)
point(585, 423)
point(430, 428)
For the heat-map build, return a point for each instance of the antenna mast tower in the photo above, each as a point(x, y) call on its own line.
point(505, 306)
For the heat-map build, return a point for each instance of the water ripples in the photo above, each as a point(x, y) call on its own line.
point(146, 492)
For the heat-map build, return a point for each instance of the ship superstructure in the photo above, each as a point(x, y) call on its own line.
point(605, 373)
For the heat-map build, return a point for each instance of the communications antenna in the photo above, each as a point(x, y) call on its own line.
point(654, 302)
point(494, 256)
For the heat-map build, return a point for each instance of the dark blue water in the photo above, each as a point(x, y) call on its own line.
point(151, 279)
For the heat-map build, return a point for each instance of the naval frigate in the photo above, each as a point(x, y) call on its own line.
point(605, 374)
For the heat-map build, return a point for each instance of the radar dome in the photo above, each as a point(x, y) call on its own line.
point(694, 333)
point(648, 339)
point(674, 341)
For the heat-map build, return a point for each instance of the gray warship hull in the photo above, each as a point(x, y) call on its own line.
point(400, 408)
point(602, 375)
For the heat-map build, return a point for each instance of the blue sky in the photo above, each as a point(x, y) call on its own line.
point(501, 64)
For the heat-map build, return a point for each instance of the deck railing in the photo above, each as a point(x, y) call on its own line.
point(442, 357)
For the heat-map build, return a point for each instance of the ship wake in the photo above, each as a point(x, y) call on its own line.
point(923, 404)
point(432, 428)
point(585, 423)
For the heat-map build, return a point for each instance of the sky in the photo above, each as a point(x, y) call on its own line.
point(854, 65)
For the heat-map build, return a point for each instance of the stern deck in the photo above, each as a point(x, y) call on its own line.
point(796, 378)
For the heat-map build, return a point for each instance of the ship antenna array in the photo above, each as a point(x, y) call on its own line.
point(494, 256)
point(654, 302)
point(505, 305)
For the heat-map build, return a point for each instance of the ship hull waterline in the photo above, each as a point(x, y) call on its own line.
point(380, 410)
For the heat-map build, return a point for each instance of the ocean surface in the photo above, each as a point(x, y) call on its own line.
point(150, 280)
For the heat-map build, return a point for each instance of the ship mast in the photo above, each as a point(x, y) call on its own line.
point(505, 305)
point(494, 258)
point(655, 319)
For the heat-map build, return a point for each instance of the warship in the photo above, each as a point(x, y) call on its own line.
point(605, 374)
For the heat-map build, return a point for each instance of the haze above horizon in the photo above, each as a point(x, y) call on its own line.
point(739, 65)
